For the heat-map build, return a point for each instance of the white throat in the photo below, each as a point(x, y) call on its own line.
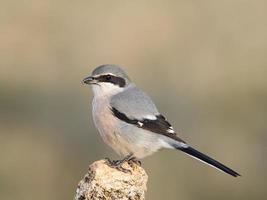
point(106, 89)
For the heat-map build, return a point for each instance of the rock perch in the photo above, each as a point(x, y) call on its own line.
point(104, 182)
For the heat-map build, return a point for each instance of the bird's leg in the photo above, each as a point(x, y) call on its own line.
point(117, 164)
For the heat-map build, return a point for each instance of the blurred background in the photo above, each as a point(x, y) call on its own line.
point(204, 64)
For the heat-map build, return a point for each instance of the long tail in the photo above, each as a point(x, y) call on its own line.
point(206, 159)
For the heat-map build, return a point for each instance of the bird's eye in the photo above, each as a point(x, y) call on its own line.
point(108, 77)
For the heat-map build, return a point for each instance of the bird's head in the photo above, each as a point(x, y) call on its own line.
point(107, 80)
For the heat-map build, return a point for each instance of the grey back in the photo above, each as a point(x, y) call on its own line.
point(134, 103)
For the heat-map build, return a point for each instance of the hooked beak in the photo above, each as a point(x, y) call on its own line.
point(89, 80)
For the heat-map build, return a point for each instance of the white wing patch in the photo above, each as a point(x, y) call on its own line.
point(150, 117)
point(140, 124)
point(170, 130)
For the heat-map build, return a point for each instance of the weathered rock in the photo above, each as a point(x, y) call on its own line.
point(104, 182)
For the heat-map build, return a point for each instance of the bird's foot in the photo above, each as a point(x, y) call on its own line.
point(134, 160)
point(117, 164)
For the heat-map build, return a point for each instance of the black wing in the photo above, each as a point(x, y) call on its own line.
point(159, 125)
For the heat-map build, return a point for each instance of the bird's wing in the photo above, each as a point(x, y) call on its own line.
point(134, 103)
point(135, 107)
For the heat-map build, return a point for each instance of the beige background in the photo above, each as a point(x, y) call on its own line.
point(202, 62)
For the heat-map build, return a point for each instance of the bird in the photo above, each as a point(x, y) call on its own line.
point(130, 123)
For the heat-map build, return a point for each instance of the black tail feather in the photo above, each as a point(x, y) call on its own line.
point(202, 157)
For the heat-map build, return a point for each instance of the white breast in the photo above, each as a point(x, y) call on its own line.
point(108, 126)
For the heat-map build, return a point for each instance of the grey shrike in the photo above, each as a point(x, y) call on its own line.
point(129, 122)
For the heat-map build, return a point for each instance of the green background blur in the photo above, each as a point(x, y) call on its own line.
point(204, 63)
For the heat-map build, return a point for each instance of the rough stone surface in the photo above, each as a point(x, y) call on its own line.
point(104, 182)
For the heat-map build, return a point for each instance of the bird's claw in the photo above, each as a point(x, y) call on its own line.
point(117, 164)
point(134, 160)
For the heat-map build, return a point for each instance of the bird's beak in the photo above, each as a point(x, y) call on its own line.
point(89, 80)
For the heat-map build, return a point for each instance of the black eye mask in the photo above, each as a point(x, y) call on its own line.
point(111, 79)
